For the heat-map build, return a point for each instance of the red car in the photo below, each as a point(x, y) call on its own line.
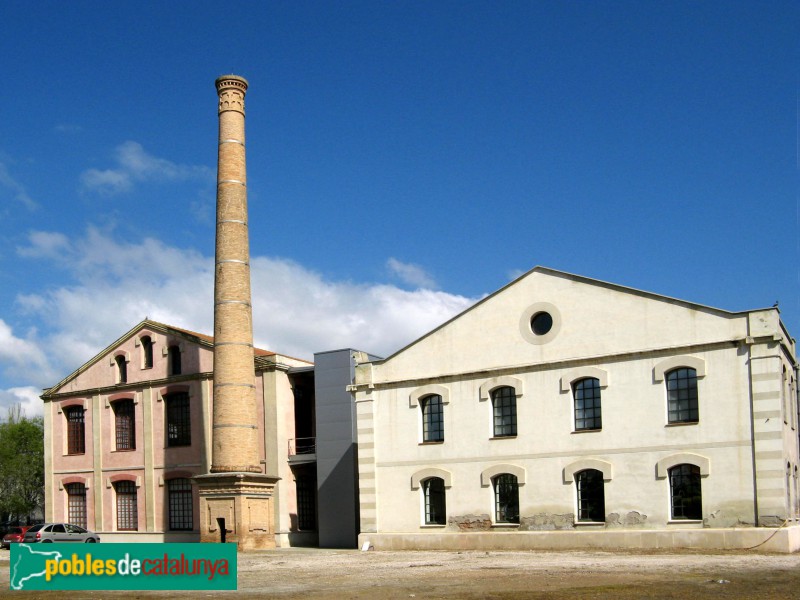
point(14, 536)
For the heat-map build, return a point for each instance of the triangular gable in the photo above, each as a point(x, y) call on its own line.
point(205, 342)
point(595, 318)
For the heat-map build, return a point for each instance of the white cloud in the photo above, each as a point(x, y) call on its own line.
point(23, 359)
point(296, 311)
point(134, 164)
point(411, 274)
point(68, 128)
point(18, 191)
point(26, 397)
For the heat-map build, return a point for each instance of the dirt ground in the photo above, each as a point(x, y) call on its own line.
point(292, 574)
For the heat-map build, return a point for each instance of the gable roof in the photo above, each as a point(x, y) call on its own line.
point(580, 279)
point(191, 336)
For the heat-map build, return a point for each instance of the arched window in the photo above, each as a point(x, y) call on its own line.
point(586, 393)
point(76, 503)
point(504, 407)
point(76, 440)
point(686, 499)
point(591, 496)
point(174, 360)
point(506, 498)
point(432, 418)
point(122, 369)
point(127, 506)
point(435, 504)
point(180, 502)
point(147, 352)
point(125, 424)
point(682, 395)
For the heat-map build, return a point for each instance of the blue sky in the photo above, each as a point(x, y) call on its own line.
point(404, 159)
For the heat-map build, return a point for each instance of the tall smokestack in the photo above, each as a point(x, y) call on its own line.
point(235, 443)
point(236, 496)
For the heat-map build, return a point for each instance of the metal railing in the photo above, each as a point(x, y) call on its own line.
point(307, 445)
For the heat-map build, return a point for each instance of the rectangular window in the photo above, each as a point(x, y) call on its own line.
point(504, 406)
point(587, 404)
point(76, 503)
point(432, 419)
point(306, 502)
point(125, 424)
point(179, 425)
point(75, 430)
point(127, 506)
point(180, 505)
point(682, 396)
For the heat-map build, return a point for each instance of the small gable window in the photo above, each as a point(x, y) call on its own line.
point(174, 357)
point(122, 369)
point(147, 352)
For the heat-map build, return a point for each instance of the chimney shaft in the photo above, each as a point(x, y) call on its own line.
point(235, 428)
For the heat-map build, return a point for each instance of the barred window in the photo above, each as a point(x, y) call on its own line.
point(685, 494)
point(179, 429)
point(127, 508)
point(506, 498)
point(432, 418)
point(591, 496)
point(125, 424)
point(76, 503)
point(504, 406)
point(174, 357)
point(435, 501)
point(122, 369)
point(147, 352)
point(682, 395)
point(181, 516)
point(587, 404)
point(306, 486)
point(76, 443)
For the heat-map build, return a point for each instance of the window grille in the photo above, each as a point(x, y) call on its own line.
point(504, 405)
point(76, 443)
point(435, 502)
point(76, 503)
point(125, 424)
point(179, 430)
point(432, 419)
point(127, 507)
point(682, 395)
point(181, 503)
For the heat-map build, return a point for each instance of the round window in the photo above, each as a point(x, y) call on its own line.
point(541, 323)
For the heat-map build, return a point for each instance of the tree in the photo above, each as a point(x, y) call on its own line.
point(21, 464)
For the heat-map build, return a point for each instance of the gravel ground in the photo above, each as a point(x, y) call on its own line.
point(291, 574)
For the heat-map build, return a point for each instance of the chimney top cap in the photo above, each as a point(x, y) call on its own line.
point(226, 81)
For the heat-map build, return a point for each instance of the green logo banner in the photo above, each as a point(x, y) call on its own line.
point(123, 567)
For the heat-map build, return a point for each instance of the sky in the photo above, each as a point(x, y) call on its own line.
point(405, 159)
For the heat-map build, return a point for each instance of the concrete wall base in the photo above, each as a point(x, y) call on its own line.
point(786, 539)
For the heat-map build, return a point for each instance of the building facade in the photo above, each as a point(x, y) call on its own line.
point(127, 433)
point(567, 412)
